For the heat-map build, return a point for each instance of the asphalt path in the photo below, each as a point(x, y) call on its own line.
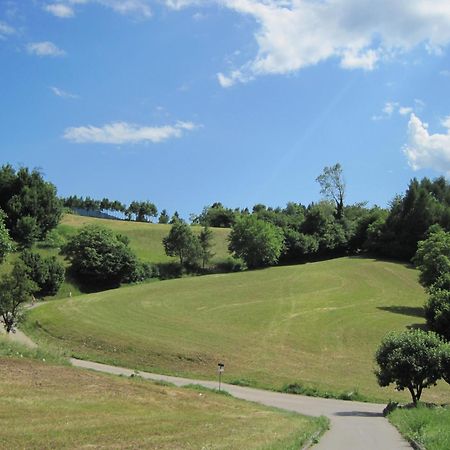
point(354, 425)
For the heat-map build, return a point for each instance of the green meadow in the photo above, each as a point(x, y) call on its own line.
point(317, 324)
point(52, 406)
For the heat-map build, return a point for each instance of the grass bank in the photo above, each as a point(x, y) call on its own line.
point(429, 426)
point(50, 406)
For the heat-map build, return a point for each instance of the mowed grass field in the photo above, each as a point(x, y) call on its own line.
point(48, 406)
point(145, 238)
point(318, 324)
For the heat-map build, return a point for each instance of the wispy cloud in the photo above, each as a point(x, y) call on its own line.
point(390, 108)
point(445, 73)
point(136, 8)
point(126, 133)
point(61, 10)
point(425, 150)
point(63, 94)
point(360, 34)
point(6, 30)
point(45, 48)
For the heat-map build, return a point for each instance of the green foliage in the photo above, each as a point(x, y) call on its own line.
point(426, 425)
point(163, 217)
point(257, 242)
point(437, 312)
point(445, 362)
point(6, 244)
point(205, 239)
point(411, 360)
point(300, 389)
point(182, 242)
point(25, 195)
point(216, 215)
point(16, 288)
point(433, 256)
point(97, 255)
point(332, 186)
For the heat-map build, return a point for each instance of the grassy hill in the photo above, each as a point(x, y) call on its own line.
point(52, 406)
point(145, 238)
point(317, 323)
point(145, 241)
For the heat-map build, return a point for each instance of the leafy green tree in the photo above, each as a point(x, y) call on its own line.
point(332, 186)
point(26, 231)
point(175, 218)
point(205, 239)
point(26, 194)
point(411, 360)
point(445, 362)
point(433, 256)
point(182, 242)
point(6, 244)
point(163, 217)
point(16, 288)
point(145, 211)
point(47, 273)
point(257, 242)
point(97, 255)
point(216, 215)
point(437, 312)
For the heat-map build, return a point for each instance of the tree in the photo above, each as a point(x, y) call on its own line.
point(205, 239)
point(163, 217)
point(257, 242)
point(445, 362)
point(182, 243)
point(433, 256)
point(332, 186)
point(437, 312)
point(26, 194)
point(6, 244)
point(97, 255)
point(16, 288)
point(26, 231)
point(145, 211)
point(411, 360)
point(47, 273)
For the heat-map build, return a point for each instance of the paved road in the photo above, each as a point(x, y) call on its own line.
point(354, 425)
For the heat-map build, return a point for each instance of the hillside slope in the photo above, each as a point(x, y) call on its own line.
point(317, 323)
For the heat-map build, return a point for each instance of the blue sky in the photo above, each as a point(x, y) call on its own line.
point(188, 102)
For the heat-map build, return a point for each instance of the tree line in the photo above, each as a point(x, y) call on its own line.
point(139, 211)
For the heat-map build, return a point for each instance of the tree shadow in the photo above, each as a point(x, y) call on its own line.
point(418, 326)
point(358, 414)
point(414, 311)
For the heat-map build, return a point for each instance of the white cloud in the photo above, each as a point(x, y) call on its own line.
point(445, 73)
point(425, 150)
point(60, 10)
point(360, 34)
point(394, 107)
point(63, 94)
point(6, 30)
point(45, 48)
point(405, 110)
point(125, 133)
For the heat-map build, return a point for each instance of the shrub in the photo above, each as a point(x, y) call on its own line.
point(437, 312)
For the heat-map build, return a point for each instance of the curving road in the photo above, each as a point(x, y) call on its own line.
point(354, 425)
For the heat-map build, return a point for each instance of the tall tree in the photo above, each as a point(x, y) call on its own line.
point(163, 217)
point(6, 244)
point(205, 239)
point(332, 186)
point(16, 288)
point(181, 242)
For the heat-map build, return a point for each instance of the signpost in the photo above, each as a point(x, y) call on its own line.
point(220, 369)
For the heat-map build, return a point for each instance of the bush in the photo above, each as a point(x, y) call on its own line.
point(47, 273)
point(98, 256)
point(437, 312)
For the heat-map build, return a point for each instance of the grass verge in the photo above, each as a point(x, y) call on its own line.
point(429, 426)
point(49, 406)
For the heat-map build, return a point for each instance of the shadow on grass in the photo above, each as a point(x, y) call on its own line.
point(418, 326)
point(414, 311)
